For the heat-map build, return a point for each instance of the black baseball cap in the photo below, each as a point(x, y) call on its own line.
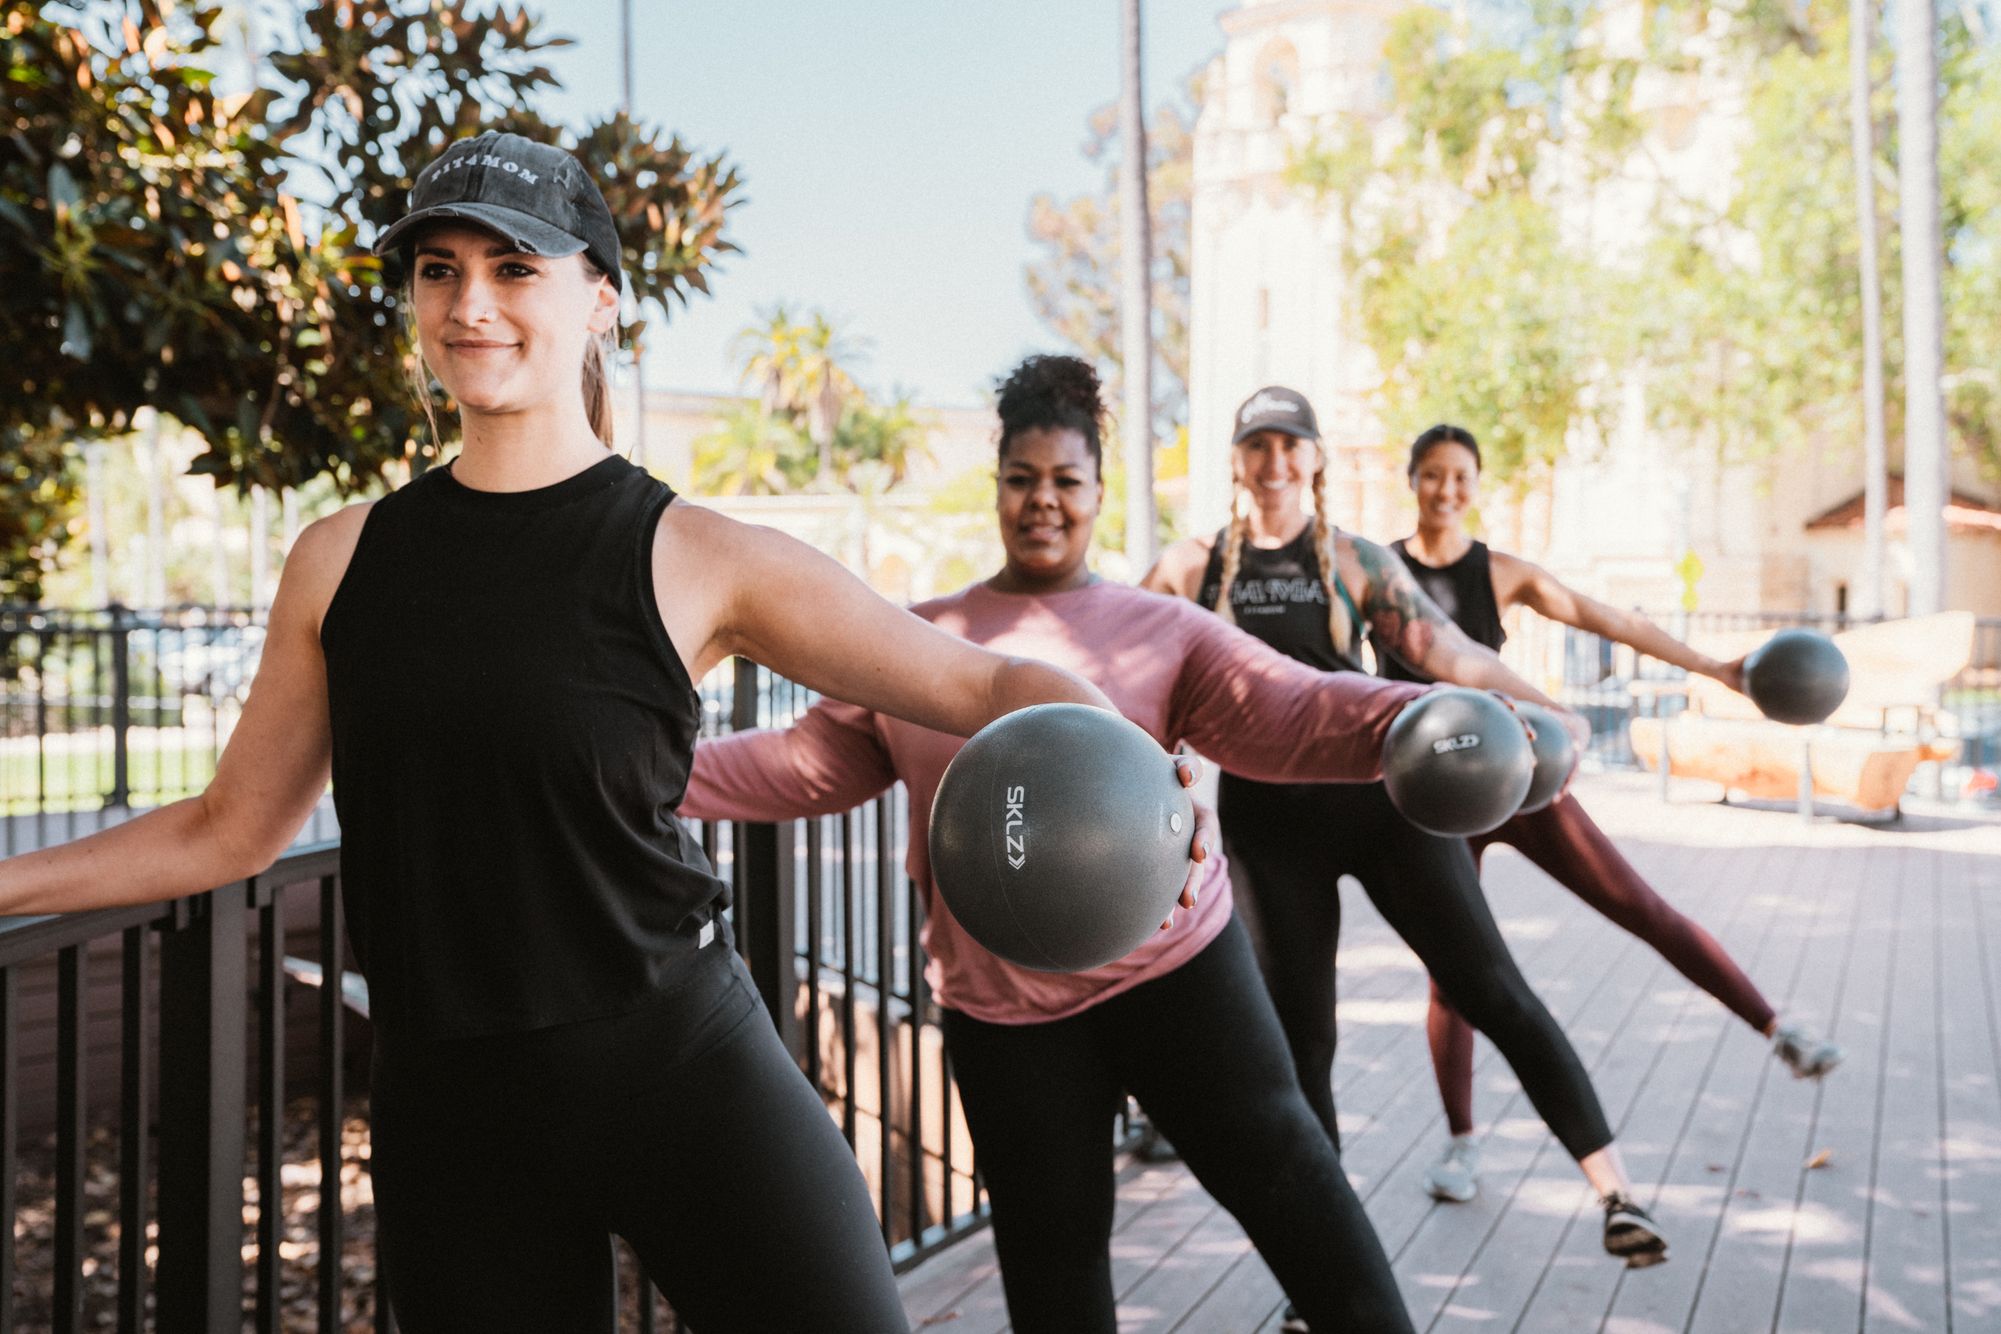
point(1276, 408)
point(534, 196)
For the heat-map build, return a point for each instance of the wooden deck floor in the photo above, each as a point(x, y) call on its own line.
point(1890, 938)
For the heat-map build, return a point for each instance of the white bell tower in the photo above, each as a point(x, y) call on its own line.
point(1265, 273)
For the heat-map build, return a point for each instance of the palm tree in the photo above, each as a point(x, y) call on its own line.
point(892, 437)
point(802, 372)
point(752, 452)
point(1136, 297)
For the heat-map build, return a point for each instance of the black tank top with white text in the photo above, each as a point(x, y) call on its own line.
point(1464, 591)
point(1280, 596)
point(512, 731)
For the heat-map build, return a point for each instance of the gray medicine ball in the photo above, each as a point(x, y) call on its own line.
point(1060, 837)
point(1457, 762)
point(1796, 676)
point(1555, 755)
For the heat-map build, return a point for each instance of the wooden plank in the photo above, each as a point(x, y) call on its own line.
point(1906, 978)
point(1906, 1274)
point(1746, 1265)
point(1184, 1274)
point(1545, 1264)
point(1529, 1184)
point(961, 1285)
point(1247, 1297)
point(1970, 1050)
point(1705, 1176)
point(1825, 1267)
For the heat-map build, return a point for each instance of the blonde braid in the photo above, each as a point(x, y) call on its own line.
point(1338, 625)
point(1233, 547)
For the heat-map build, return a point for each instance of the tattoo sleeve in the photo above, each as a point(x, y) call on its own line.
point(1403, 620)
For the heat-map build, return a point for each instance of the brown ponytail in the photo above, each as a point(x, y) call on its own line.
point(597, 385)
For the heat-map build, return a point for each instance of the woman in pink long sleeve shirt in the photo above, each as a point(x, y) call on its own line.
point(1044, 1060)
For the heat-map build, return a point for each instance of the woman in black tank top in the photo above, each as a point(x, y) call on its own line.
point(1285, 574)
point(1477, 586)
point(496, 665)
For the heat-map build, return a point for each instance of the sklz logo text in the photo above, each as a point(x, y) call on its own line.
point(1015, 829)
point(1464, 741)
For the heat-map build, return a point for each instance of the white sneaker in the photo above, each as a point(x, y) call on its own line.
point(1806, 1054)
point(1455, 1178)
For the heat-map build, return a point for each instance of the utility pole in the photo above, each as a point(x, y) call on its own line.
point(1924, 333)
point(1875, 498)
point(1136, 299)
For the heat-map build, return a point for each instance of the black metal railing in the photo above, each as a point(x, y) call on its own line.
point(110, 708)
point(236, 1042)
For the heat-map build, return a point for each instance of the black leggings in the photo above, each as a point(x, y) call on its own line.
point(1201, 1048)
point(1289, 842)
point(503, 1167)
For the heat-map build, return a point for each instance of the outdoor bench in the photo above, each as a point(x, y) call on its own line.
point(1863, 756)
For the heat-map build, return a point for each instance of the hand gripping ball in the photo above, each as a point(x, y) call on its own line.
point(1060, 837)
point(1796, 676)
point(1457, 762)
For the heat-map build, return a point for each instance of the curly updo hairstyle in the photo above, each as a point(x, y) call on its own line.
point(1053, 393)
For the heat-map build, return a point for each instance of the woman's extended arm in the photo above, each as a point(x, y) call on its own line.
point(1410, 625)
point(1260, 714)
point(271, 774)
point(1520, 581)
point(828, 761)
point(729, 588)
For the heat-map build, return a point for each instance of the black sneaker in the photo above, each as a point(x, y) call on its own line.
point(1630, 1232)
point(1292, 1322)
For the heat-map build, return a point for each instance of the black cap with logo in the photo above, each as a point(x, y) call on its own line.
point(534, 196)
point(1276, 408)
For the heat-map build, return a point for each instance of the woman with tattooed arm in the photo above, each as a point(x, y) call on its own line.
point(1282, 572)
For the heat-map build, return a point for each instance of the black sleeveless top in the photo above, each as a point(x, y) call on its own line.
point(1280, 597)
point(512, 730)
point(1464, 591)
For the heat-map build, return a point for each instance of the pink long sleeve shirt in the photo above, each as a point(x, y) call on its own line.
point(1178, 671)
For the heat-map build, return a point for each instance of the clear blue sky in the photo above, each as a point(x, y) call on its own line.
point(889, 148)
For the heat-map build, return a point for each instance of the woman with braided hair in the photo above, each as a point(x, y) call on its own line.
point(1476, 586)
point(1294, 580)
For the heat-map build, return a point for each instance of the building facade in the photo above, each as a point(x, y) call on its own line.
point(1622, 514)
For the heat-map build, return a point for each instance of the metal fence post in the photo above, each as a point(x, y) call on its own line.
point(768, 925)
point(121, 706)
point(765, 910)
point(202, 1113)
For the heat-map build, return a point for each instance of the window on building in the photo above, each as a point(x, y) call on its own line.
point(1278, 81)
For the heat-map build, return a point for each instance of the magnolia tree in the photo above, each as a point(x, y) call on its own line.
point(168, 247)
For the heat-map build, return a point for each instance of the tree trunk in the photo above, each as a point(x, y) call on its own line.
point(1869, 596)
point(1924, 333)
point(1136, 299)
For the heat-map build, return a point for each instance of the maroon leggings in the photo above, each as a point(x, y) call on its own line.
point(1568, 844)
